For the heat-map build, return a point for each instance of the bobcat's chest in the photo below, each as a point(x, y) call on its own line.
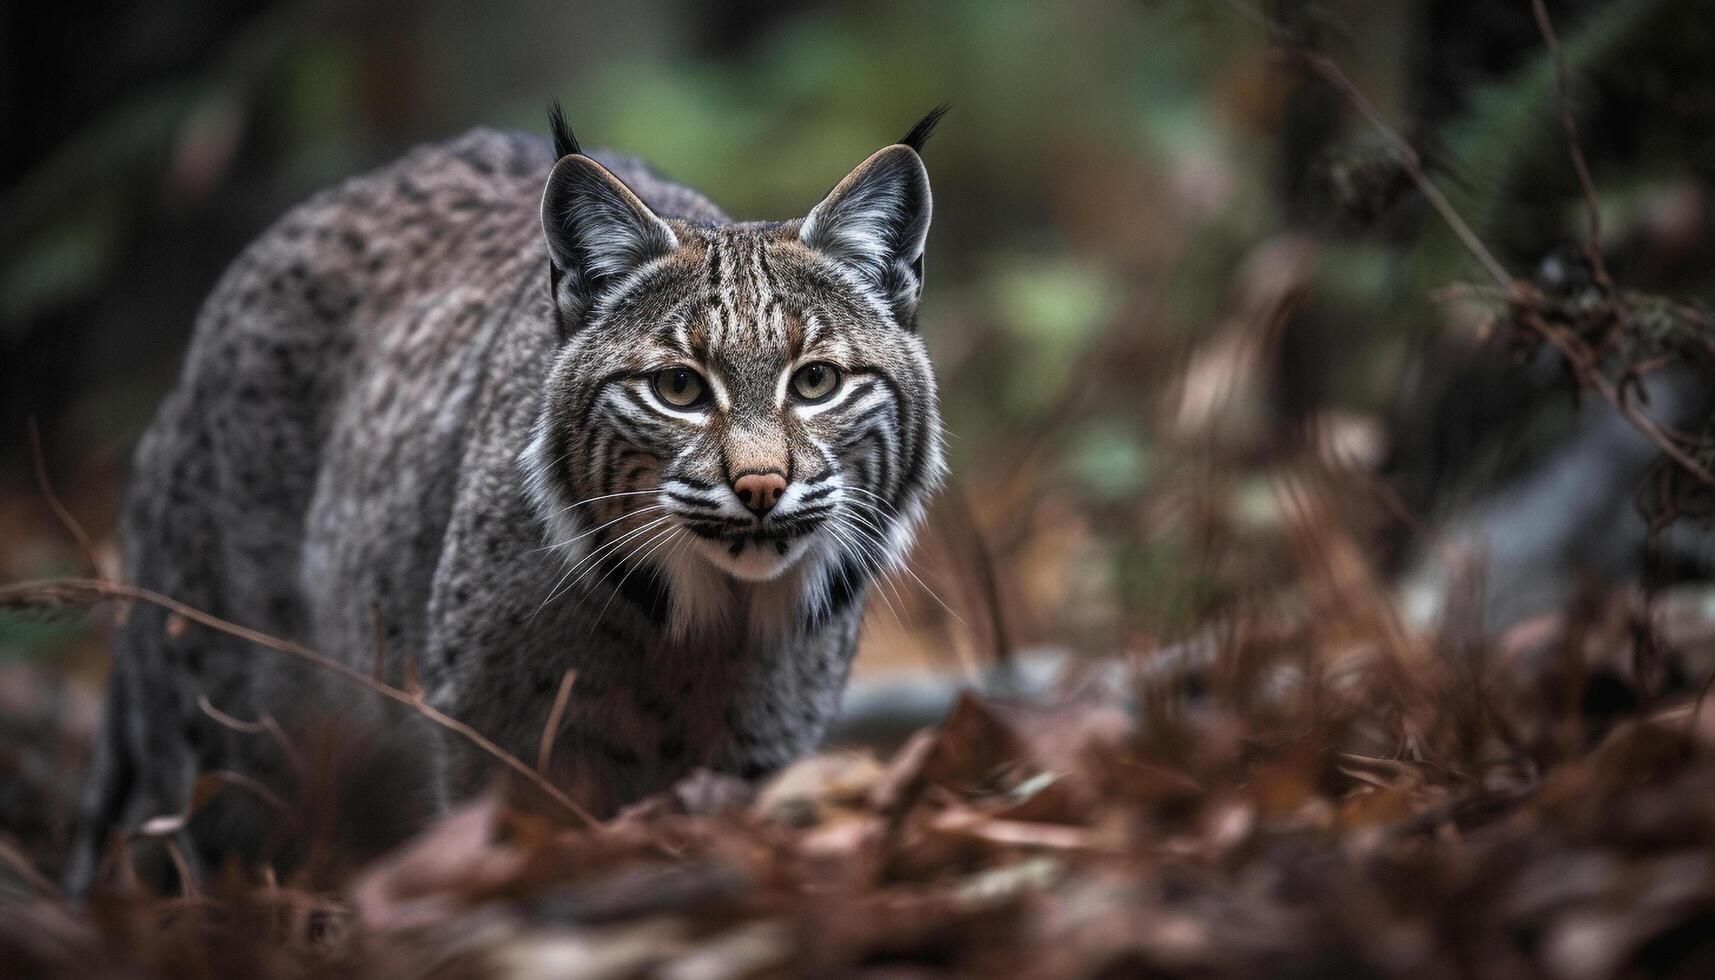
point(639, 719)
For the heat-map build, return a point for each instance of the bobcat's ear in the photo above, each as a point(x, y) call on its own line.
point(876, 223)
point(598, 232)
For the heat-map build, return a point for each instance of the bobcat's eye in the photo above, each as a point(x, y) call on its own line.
point(680, 387)
point(815, 382)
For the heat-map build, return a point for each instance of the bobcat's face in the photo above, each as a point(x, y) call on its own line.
point(744, 401)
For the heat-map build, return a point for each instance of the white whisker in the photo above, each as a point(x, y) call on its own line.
point(659, 538)
point(589, 562)
point(613, 546)
point(579, 537)
point(840, 529)
point(905, 566)
point(609, 496)
point(883, 565)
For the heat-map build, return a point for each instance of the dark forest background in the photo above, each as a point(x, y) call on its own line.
point(1301, 395)
point(1162, 255)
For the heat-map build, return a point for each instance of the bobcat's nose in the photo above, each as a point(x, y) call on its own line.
point(759, 492)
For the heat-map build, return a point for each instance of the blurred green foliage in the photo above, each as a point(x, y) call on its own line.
point(1110, 172)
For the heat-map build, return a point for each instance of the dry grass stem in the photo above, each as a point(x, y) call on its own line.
point(92, 590)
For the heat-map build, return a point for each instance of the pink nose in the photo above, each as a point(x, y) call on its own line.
point(759, 491)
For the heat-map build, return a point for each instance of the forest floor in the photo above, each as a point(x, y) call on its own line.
point(1336, 795)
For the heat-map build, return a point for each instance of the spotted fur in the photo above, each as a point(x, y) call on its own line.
point(422, 419)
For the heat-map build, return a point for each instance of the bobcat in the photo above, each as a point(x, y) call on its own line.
point(504, 414)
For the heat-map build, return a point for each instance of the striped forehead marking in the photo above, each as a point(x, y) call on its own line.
point(744, 304)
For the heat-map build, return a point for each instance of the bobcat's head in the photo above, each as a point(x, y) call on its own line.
point(739, 409)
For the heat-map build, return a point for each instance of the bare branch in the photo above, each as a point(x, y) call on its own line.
point(1330, 72)
point(1524, 300)
point(1578, 355)
point(1593, 246)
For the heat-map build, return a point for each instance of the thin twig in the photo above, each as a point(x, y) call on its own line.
point(1593, 246)
point(13, 858)
point(413, 683)
point(95, 589)
point(70, 523)
point(189, 889)
point(1330, 72)
point(545, 751)
point(266, 725)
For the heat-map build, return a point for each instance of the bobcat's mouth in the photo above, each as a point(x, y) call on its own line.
point(736, 536)
point(755, 551)
point(739, 543)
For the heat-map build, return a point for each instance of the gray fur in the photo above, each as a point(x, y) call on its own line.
point(385, 416)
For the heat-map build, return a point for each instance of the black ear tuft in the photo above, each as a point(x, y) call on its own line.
point(565, 141)
point(925, 127)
